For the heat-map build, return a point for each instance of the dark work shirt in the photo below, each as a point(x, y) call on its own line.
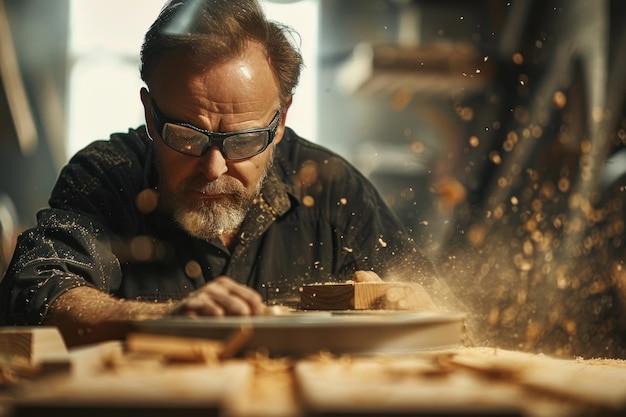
point(317, 220)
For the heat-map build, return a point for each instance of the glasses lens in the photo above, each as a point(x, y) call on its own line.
point(184, 139)
point(245, 145)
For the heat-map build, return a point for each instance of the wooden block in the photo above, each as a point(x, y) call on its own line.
point(36, 345)
point(28, 353)
point(365, 296)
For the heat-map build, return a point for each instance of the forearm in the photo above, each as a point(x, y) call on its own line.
point(87, 315)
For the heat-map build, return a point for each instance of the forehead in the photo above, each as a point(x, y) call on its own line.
point(244, 77)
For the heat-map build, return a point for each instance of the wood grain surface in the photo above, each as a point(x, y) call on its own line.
point(365, 296)
point(33, 344)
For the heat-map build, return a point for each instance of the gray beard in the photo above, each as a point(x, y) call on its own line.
point(211, 219)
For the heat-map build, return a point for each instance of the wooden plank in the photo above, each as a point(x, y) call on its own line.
point(365, 296)
point(597, 383)
point(465, 381)
point(131, 388)
point(410, 386)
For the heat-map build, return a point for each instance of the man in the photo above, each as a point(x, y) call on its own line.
point(210, 204)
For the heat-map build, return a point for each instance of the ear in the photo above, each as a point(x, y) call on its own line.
point(147, 111)
point(281, 127)
point(285, 110)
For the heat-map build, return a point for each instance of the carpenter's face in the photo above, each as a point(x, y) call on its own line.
point(209, 194)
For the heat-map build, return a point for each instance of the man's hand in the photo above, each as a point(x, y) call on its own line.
point(400, 295)
point(366, 276)
point(87, 315)
point(221, 297)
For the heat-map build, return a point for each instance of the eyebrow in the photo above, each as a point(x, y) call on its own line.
point(162, 119)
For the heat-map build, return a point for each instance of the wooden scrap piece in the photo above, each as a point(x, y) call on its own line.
point(189, 349)
point(365, 296)
point(174, 348)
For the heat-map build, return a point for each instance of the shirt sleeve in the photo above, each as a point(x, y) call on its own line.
point(66, 250)
point(92, 203)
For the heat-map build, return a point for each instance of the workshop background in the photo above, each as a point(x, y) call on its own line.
point(495, 130)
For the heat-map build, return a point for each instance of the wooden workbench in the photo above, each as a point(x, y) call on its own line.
point(111, 379)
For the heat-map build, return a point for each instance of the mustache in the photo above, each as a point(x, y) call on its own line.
point(223, 185)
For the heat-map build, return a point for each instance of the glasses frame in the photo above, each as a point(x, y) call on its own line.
point(214, 138)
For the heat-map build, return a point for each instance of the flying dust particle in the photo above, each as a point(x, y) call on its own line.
point(417, 147)
point(141, 248)
point(495, 158)
point(401, 99)
point(308, 201)
point(521, 115)
point(564, 185)
point(559, 99)
point(569, 326)
point(307, 174)
point(597, 114)
point(465, 113)
point(476, 235)
point(147, 201)
point(407, 193)
point(193, 269)
point(523, 79)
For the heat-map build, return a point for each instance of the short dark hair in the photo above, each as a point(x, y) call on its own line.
point(216, 30)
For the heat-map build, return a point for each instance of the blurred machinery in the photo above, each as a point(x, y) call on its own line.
point(495, 130)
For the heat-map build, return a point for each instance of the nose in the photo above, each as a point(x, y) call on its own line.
point(213, 164)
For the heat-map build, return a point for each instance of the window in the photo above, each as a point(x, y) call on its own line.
point(104, 80)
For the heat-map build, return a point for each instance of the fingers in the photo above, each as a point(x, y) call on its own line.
point(366, 276)
point(222, 297)
point(399, 295)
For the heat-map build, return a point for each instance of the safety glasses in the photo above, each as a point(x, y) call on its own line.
point(193, 141)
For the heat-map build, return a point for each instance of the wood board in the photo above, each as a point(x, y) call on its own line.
point(599, 383)
point(140, 388)
point(406, 386)
point(466, 381)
